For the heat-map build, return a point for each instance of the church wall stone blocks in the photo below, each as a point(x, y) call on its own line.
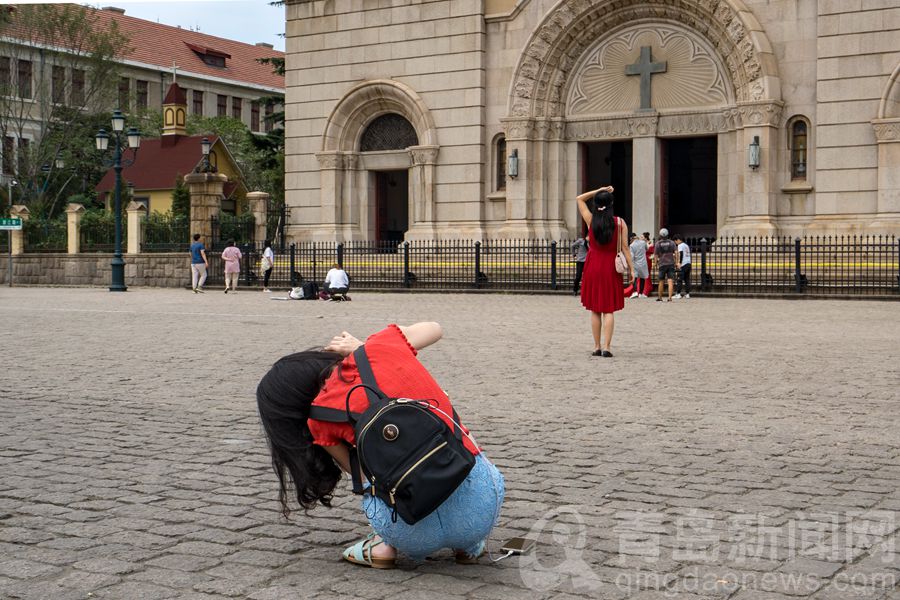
point(411, 120)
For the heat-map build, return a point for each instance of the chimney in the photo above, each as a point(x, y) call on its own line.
point(114, 9)
point(265, 45)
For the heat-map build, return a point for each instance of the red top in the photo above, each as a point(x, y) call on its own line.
point(398, 373)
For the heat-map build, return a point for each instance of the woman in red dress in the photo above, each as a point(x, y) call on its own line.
point(602, 292)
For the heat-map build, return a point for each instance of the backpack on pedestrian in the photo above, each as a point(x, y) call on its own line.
point(411, 457)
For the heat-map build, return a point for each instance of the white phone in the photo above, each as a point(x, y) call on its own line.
point(518, 545)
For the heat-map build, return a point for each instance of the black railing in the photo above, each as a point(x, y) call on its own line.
point(166, 233)
point(741, 266)
point(226, 227)
point(100, 235)
point(44, 236)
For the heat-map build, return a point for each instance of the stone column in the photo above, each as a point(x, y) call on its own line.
point(206, 200)
point(645, 169)
point(136, 213)
point(331, 172)
point(73, 222)
point(887, 219)
point(422, 209)
point(17, 237)
point(519, 133)
point(259, 206)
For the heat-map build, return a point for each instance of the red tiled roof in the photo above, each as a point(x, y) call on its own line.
point(162, 45)
point(175, 95)
point(157, 166)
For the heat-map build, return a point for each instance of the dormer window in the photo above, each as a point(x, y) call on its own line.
point(210, 56)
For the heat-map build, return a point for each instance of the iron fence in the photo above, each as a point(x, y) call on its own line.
point(100, 235)
point(166, 233)
point(846, 266)
point(45, 235)
point(239, 228)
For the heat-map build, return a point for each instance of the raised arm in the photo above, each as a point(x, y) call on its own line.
point(419, 336)
point(582, 199)
point(422, 335)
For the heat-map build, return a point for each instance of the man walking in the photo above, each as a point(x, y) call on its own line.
point(684, 268)
point(232, 257)
point(579, 253)
point(665, 250)
point(199, 264)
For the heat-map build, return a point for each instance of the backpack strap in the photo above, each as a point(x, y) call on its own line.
point(375, 395)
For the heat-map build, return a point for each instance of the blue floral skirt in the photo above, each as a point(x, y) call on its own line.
point(462, 522)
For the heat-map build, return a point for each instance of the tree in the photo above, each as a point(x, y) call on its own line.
point(181, 199)
point(58, 68)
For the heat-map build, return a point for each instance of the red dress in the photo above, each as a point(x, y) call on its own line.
point(601, 288)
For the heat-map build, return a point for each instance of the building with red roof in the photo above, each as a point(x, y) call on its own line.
point(218, 76)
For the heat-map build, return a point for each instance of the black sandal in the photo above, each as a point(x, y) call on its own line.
point(597, 353)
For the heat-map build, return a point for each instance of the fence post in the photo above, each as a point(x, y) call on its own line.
point(247, 263)
point(798, 276)
point(340, 255)
point(17, 236)
point(704, 281)
point(406, 281)
point(477, 264)
point(553, 265)
point(314, 265)
point(74, 212)
point(898, 264)
point(293, 265)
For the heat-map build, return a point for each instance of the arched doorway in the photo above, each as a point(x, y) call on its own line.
point(377, 165)
point(693, 80)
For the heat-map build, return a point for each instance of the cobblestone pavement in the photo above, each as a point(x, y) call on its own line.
point(733, 449)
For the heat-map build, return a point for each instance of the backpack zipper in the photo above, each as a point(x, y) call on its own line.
point(413, 468)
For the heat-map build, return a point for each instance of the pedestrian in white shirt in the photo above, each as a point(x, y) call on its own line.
point(337, 282)
point(684, 268)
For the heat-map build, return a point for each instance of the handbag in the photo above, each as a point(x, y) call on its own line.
point(621, 261)
point(266, 263)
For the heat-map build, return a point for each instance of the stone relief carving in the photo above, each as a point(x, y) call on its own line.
point(761, 114)
point(423, 155)
point(577, 23)
point(887, 130)
point(330, 160)
point(518, 129)
point(693, 77)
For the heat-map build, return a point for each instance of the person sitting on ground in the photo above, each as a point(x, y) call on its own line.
point(337, 283)
point(309, 455)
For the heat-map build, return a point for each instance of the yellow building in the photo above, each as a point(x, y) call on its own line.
point(162, 162)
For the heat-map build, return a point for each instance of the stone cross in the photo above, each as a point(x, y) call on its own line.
point(174, 72)
point(645, 67)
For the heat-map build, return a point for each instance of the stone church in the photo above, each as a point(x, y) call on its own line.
point(480, 119)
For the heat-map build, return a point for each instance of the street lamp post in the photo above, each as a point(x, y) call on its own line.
point(118, 163)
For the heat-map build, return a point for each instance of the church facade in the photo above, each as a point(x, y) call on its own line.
point(479, 119)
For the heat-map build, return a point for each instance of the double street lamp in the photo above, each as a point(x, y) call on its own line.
point(118, 163)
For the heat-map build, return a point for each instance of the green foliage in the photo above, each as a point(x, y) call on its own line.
point(69, 36)
point(181, 199)
point(45, 235)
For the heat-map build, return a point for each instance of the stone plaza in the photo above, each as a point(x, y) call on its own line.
point(739, 449)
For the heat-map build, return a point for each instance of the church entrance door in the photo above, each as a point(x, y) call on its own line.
point(608, 163)
point(391, 205)
point(688, 186)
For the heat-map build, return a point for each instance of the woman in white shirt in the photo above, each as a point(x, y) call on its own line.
point(267, 264)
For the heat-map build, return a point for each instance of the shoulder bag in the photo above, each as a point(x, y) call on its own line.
point(621, 261)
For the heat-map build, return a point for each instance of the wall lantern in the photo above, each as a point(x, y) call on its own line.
point(753, 153)
point(512, 164)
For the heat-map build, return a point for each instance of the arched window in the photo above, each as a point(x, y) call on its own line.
point(799, 136)
point(388, 132)
point(500, 164)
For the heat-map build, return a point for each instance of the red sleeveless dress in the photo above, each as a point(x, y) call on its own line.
point(601, 288)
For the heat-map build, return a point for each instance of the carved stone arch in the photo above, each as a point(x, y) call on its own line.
point(369, 100)
point(568, 30)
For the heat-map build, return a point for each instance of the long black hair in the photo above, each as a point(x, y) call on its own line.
point(284, 396)
point(603, 225)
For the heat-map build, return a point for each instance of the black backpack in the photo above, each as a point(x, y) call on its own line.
point(310, 290)
point(411, 457)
